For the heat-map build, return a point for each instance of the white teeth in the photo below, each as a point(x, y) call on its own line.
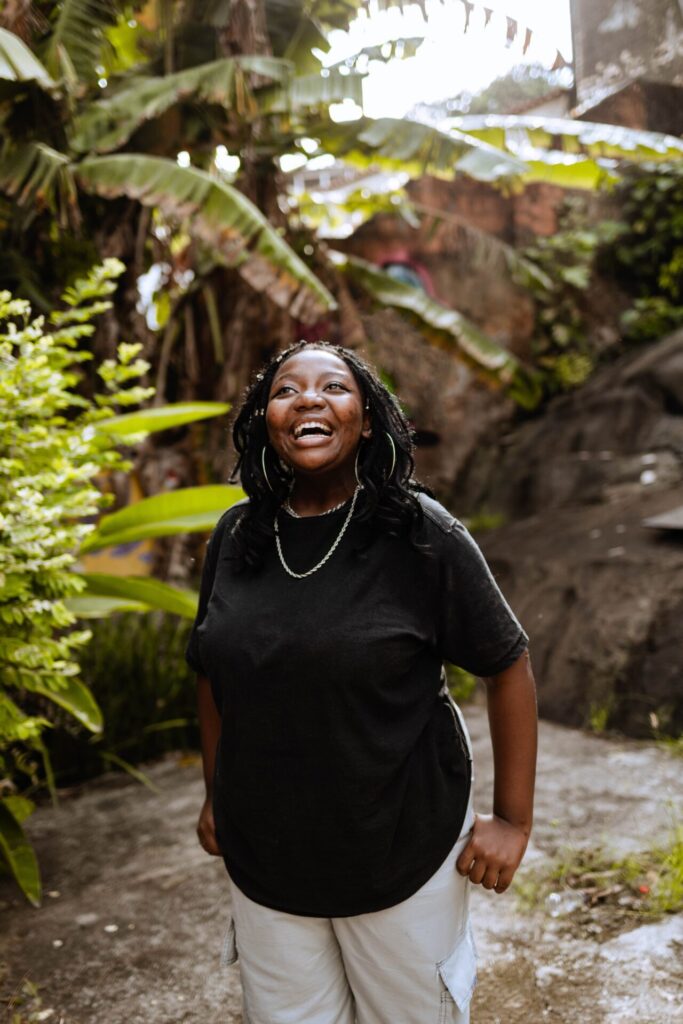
point(311, 425)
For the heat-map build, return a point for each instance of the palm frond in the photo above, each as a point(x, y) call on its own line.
point(109, 123)
point(403, 145)
point(306, 92)
point(514, 133)
point(19, 65)
point(78, 31)
point(35, 173)
point(222, 216)
point(445, 327)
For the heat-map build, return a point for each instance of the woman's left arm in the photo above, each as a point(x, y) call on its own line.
point(499, 840)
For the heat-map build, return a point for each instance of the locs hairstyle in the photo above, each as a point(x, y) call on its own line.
point(390, 503)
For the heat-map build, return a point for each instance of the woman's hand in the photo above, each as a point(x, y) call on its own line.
point(206, 829)
point(493, 853)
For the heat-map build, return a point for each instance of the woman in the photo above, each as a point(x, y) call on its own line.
point(338, 770)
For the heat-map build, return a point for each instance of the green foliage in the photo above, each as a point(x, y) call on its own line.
point(562, 346)
point(51, 450)
point(461, 684)
point(135, 665)
point(648, 254)
point(645, 884)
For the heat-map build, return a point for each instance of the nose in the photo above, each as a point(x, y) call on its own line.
point(308, 397)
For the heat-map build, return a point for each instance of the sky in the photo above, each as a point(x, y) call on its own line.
point(450, 61)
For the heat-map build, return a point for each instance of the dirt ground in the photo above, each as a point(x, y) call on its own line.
point(131, 927)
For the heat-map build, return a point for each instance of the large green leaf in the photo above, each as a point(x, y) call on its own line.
point(19, 855)
point(19, 64)
point(162, 417)
point(30, 172)
point(143, 590)
point(584, 138)
point(223, 217)
point(97, 606)
point(416, 149)
point(310, 91)
point(108, 124)
point(78, 32)
point(186, 510)
point(75, 697)
point(443, 324)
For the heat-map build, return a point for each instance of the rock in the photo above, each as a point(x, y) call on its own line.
point(600, 595)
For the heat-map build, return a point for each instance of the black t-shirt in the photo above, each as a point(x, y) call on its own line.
point(342, 777)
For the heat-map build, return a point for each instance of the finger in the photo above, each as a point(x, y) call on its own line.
point(490, 877)
point(477, 871)
point(465, 860)
point(504, 879)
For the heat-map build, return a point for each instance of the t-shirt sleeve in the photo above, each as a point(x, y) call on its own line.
point(192, 655)
point(477, 628)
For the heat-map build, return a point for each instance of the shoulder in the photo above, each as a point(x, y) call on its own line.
point(438, 517)
point(449, 537)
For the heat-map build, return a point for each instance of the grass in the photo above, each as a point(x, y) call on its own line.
point(647, 884)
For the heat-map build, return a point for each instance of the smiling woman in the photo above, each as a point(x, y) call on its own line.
point(338, 770)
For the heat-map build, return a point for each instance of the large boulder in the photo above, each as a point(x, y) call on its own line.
point(600, 594)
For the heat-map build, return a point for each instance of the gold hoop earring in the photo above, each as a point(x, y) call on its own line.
point(263, 467)
point(393, 454)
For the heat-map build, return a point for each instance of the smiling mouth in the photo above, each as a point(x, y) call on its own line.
point(311, 428)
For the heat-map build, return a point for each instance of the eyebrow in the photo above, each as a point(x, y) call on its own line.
point(325, 373)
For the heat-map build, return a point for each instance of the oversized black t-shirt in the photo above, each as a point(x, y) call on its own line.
point(342, 777)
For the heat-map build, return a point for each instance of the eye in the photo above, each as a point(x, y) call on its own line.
point(336, 384)
point(283, 388)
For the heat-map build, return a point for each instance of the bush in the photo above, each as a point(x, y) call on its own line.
point(51, 450)
point(135, 666)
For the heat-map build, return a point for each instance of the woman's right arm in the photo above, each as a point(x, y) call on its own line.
point(209, 732)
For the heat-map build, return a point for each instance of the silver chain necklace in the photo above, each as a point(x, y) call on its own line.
point(288, 508)
point(302, 575)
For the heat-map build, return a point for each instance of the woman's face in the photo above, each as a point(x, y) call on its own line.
point(315, 417)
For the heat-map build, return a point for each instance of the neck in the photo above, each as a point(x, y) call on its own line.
point(312, 496)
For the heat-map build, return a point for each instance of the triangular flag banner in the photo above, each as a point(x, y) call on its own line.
point(513, 25)
point(469, 7)
point(560, 62)
point(488, 13)
point(527, 40)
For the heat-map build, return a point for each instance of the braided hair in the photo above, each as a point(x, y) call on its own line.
point(384, 470)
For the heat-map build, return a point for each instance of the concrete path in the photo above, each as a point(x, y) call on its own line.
point(131, 926)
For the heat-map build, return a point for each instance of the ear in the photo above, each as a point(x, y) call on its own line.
point(366, 430)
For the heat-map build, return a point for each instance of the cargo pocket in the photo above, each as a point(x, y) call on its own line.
point(458, 972)
point(229, 952)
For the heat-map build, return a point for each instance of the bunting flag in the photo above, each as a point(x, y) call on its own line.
point(513, 27)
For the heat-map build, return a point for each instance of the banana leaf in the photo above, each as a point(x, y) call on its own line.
point(109, 123)
point(161, 418)
point(221, 216)
point(19, 856)
point(143, 590)
point(446, 328)
point(309, 91)
point(19, 64)
point(29, 173)
point(186, 510)
point(402, 145)
point(78, 32)
point(583, 138)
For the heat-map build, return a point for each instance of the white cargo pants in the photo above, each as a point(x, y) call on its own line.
point(413, 963)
